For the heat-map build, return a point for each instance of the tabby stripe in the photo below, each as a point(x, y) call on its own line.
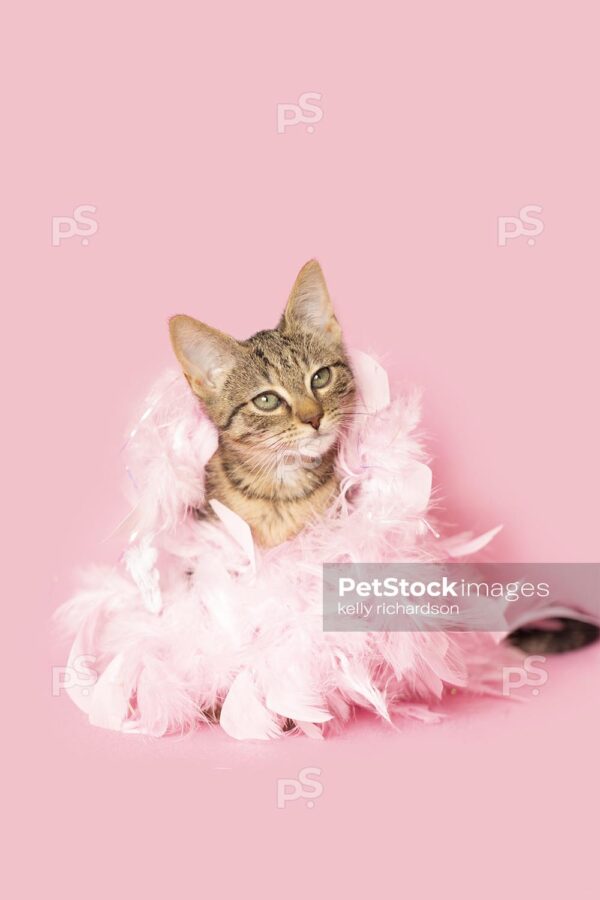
point(305, 495)
point(247, 490)
point(233, 414)
point(264, 358)
point(234, 480)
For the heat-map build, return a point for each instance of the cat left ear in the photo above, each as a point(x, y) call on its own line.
point(309, 306)
point(206, 355)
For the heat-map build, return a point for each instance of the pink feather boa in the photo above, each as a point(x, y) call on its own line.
point(197, 621)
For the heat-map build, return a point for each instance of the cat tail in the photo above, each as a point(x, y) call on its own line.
point(556, 635)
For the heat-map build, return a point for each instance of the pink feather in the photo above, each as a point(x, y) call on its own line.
point(196, 619)
point(243, 715)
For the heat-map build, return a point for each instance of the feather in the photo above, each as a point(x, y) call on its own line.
point(466, 545)
point(357, 683)
point(310, 730)
point(244, 716)
point(288, 700)
point(140, 562)
point(237, 528)
point(110, 700)
point(195, 619)
point(373, 381)
point(81, 654)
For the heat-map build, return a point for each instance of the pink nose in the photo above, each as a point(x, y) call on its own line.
point(314, 420)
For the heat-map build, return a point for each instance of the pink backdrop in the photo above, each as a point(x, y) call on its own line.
point(437, 119)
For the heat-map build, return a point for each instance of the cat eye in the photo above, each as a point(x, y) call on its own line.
point(321, 378)
point(267, 402)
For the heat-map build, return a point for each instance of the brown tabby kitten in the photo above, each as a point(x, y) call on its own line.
point(279, 400)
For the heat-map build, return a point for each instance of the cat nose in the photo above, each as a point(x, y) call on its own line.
point(314, 419)
point(310, 414)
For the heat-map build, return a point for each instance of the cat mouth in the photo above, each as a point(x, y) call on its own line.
point(315, 445)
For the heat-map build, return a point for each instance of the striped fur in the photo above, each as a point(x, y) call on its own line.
point(274, 468)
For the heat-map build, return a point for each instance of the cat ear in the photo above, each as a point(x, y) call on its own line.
point(206, 355)
point(309, 306)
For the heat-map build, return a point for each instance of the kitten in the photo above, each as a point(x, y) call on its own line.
point(280, 401)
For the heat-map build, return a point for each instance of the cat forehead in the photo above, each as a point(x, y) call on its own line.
point(285, 355)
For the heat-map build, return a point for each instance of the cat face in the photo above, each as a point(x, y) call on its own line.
point(287, 389)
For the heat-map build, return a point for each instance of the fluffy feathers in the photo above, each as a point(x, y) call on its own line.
point(199, 624)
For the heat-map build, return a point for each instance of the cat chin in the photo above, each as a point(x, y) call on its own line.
point(317, 445)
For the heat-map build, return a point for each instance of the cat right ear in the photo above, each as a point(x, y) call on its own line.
point(205, 354)
point(309, 306)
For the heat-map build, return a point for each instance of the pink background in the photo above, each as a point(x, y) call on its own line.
point(437, 119)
